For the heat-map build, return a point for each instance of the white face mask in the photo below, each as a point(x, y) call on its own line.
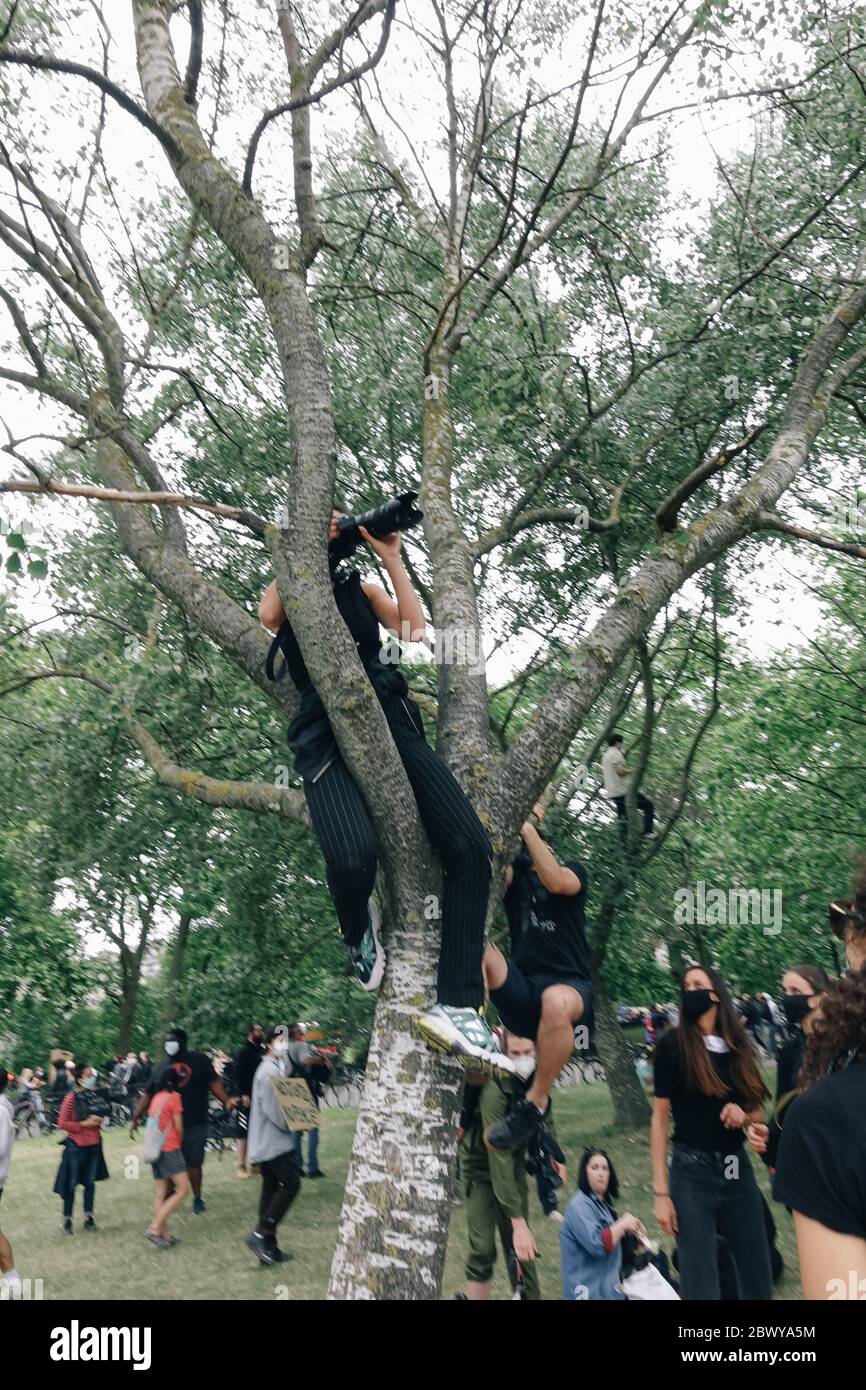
point(172, 1048)
point(525, 1066)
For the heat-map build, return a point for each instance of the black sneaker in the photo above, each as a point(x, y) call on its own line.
point(198, 1207)
point(368, 957)
point(281, 1256)
point(518, 1127)
point(260, 1247)
point(67, 1226)
point(318, 1174)
point(89, 1223)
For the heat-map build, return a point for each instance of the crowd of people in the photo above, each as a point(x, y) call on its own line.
point(709, 1094)
point(173, 1098)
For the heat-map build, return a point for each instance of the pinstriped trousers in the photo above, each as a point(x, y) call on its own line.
point(345, 833)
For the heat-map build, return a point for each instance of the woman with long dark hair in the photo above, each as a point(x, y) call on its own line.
point(821, 1165)
point(342, 822)
point(706, 1077)
point(803, 988)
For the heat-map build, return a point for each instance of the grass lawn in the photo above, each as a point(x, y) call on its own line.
point(211, 1261)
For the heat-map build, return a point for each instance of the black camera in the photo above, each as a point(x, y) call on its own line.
point(397, 514)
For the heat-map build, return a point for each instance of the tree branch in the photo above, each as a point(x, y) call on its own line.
point(771, 521)
point(668, 513)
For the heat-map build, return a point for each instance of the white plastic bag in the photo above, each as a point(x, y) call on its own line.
point(647, 1285)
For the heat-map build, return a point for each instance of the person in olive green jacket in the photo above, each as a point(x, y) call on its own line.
point(494, 1182)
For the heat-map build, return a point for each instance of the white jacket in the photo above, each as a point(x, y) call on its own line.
point(7, 1136)
point(613, 772)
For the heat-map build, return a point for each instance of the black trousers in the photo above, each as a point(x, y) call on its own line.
point(717, 1195)
point(281, 1179)
point(345, 832)
point(643, 804)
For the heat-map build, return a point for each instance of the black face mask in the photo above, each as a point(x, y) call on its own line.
point(795, 1008)
point(696, 1002)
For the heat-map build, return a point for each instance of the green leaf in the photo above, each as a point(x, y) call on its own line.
point(13, 564)
point(38, 569)
point(16, 540)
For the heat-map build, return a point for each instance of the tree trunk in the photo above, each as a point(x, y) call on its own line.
point(175, 969)
point(130, 976)
point(397, 1203)
point(630, 1106)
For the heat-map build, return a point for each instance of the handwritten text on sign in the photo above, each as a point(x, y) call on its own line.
point(295, 1101)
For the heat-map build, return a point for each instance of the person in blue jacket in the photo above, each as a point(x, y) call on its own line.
point(591, 1233)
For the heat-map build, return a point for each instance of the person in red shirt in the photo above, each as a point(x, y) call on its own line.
point(169, 1170)
point(83, 1161)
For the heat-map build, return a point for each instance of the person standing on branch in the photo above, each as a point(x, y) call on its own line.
point(544, 991)
point(342, 822)
point(616, 777)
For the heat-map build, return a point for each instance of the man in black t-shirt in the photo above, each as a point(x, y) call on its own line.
point(544, 990)
point(196, 1080)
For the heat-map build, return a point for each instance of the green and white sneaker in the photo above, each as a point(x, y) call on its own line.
point(368, 957)
point(463, 1034)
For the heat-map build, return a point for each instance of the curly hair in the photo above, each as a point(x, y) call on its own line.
point(838, 1031)
point(848, 915)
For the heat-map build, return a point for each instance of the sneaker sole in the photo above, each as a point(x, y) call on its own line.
point(452, 1043)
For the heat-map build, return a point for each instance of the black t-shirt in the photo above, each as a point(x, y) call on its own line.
point(821, 1166)
point(788, 1065)
point(195, 1073)
point(548, 930)
point(696, 1115)
point(247, 1060)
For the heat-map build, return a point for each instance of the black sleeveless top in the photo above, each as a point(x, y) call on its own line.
point(310, 735)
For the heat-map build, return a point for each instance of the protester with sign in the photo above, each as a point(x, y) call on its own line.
point(313, 1065)
point(271, 1146)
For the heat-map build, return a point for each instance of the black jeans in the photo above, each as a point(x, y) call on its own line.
point(644, 804)
point(88, 1162)
point(714, 1195)
point(281, 1178)
point(345, 832)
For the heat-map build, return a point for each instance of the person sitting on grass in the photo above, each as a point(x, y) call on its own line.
point(169, 1170)
point(592, 1234)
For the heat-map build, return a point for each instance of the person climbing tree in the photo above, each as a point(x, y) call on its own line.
point(342, 823)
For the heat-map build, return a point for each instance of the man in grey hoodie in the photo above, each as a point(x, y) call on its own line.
point(271, 1147)
point(8, 1273)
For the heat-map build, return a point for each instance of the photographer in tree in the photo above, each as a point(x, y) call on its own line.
point(337, 809)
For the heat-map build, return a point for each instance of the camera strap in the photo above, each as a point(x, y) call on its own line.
point(278, 645)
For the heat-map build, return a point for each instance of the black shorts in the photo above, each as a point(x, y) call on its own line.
point(243, 1119)
point(194, 1137)
point(519, 999)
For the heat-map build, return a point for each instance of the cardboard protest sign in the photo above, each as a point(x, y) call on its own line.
point(295, 1101)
